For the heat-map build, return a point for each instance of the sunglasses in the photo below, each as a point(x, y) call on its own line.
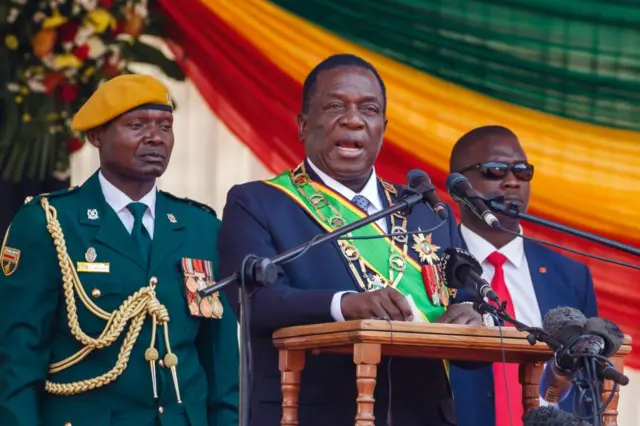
point(498, 170)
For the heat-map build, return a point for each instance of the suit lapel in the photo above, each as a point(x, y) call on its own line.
point(540, 276)
point(94, 212)
point(385, 204)
point(168, 233)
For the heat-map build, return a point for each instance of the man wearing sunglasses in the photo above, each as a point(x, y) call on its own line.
point(531, 277)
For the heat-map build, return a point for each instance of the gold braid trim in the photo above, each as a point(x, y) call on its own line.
point(135, 309)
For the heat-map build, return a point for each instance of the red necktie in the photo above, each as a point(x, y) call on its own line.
point(500, 385)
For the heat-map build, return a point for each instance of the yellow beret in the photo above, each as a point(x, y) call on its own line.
point(119, 95)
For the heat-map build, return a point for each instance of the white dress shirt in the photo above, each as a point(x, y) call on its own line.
point(119, 201)
point(517, 277)
point(516, 274)
point(370, 192)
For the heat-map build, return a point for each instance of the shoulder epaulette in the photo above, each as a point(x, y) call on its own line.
point(51, 194)
point(191, 202)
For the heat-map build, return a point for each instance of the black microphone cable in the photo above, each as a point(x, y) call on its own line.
point(311, 242)
point(580, 253)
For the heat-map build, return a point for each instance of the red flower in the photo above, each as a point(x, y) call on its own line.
point(106, 3)
point(117, 30)
point(68, 93)
point(81, 52)
point(68, 31)
point(74, 145)
point(51, 81)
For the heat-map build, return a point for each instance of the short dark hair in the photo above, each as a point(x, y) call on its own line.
point(464, 145)
point(336, 61)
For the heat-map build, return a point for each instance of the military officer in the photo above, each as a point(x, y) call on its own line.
point(100, 321)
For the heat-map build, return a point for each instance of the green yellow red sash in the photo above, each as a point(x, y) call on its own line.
point(377, 253)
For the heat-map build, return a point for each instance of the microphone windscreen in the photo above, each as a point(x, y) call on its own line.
point(562, 322)
point(550, 416)
point(609, 331)
point(453, 179)
point(416, 176)
point(453, 259)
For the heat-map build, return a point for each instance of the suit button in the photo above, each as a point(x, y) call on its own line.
point(160, 410)
point(96, 292)
point(153, 281)
point(489, 394)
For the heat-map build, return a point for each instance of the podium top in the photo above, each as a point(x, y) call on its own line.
point(443, 341)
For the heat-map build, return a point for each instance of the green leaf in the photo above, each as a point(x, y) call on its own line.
point(21, 161)
point(47, 142)
point(5, 68)
point(9, 120)
point(141, 52)
point(11, 162)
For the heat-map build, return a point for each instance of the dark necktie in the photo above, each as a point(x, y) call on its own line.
point(139, 232)
point(361, 202)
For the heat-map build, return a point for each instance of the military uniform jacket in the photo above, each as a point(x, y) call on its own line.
point(35, 319)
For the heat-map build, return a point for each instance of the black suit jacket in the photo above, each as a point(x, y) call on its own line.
point(261, 220)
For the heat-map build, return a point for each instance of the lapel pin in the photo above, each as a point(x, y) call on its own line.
point(90, 255)
point(92, 214)
point(172, 218)
point(543, 270)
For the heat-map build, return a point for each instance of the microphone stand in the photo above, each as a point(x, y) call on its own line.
point(513, 211)
point(263, 271)
point(538, 334)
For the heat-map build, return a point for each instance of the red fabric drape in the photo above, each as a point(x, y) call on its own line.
point(258, 103)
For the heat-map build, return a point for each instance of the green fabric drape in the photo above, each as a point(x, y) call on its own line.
point(576, 59)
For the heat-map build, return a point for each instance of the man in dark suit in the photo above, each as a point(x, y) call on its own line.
point(342, 124)
point(100, 322)
point(532, 278)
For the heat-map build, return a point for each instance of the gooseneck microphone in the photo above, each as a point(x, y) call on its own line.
point(419, 181)
point(460, 269)
point(461, 190)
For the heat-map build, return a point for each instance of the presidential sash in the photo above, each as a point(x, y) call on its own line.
point(375, 263)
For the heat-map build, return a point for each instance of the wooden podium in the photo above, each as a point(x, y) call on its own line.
point(369, 340)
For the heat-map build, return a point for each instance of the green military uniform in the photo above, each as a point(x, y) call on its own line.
point(91, 331)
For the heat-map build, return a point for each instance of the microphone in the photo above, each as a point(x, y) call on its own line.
point(461, 190)
point(460, 268)
point(550, 416)
point(419, 181)
point(556, 382)
point(581, 336)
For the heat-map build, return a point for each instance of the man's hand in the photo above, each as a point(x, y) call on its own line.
point(388, 304)
point(461, 314)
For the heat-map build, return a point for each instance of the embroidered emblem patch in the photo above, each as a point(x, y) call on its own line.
point(198, 274)
point(10, 260)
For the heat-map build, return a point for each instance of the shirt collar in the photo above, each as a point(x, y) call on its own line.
point(481, 248)
point(370, 190)
point(119, 201)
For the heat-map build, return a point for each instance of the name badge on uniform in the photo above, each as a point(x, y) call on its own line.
point(99, 267)
point(198, 274)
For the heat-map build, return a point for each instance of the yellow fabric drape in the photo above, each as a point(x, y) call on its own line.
point(586, 175)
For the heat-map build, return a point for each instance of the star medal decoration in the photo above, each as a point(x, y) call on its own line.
point(426, 250)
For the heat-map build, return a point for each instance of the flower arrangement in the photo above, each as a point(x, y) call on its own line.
point(53, 56)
